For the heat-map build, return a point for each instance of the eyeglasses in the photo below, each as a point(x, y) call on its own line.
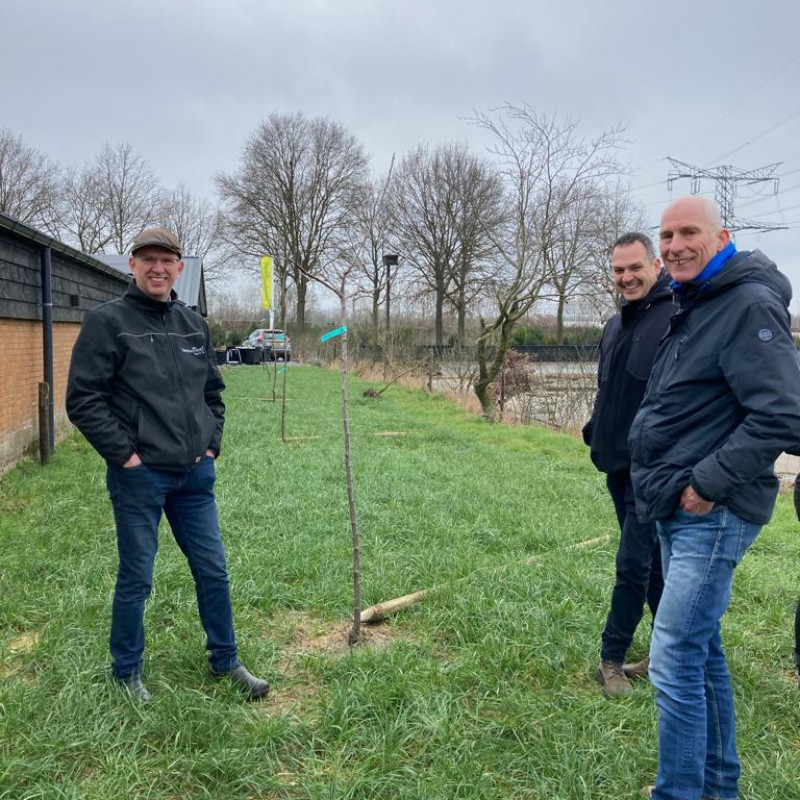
point(151, 261)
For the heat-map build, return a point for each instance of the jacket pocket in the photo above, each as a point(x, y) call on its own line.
point(642, 354)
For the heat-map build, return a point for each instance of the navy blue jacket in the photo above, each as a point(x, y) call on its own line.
point(144, 379)
point(723, 400)
point(627, 349)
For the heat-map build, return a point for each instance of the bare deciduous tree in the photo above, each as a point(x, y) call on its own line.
point(294, 195)
point(546, 167)
point(197, 224)
point(570, 245)
point(375, 230)
point(480, 213)
point(110, 200)
point(444, 200)
point(28, 184)
point(131, 192)
point(85, 211)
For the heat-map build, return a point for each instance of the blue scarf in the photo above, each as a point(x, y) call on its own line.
point(708, 272)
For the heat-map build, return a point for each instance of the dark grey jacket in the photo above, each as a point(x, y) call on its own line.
point(627, 349)
point(144, 379)
point(723, 400)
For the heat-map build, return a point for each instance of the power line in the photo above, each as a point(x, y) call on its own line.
point(794, 115)
point(764, 197)
point(741, 102)
point(794, 59)
point(782, 211)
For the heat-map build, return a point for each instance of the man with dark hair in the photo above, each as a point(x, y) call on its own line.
point(145, 390)
point(627, 349)
point(722, 403)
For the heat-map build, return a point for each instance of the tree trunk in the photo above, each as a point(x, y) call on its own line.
point(439, 319)
point(376, 299)
point(560, 319)
point(301, 283)
point(481, 385)
point(355, 632)
point(489, 370)
point(461, 311)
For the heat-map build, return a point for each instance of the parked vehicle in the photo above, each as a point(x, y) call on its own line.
point(276, 344)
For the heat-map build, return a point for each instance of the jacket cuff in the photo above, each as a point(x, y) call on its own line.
point(704, 493)
point(119, 461)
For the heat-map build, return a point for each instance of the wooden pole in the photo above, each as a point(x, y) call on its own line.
point(44, 422)
point(379, 611)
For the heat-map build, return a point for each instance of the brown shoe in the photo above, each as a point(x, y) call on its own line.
point(613, 680)
point(638, 669)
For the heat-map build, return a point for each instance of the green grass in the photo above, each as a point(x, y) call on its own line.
point(485, 690)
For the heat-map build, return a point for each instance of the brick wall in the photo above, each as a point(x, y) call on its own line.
point(21, 365)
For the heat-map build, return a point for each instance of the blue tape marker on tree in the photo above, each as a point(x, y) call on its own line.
point(333, 333)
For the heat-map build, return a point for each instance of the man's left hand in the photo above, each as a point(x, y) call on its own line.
point(210, 454)
point(692, 503)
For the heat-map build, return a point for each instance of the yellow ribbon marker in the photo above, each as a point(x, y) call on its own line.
point(266, 281)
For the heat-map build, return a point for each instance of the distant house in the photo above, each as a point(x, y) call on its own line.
point(190, 286)
point(46, 288)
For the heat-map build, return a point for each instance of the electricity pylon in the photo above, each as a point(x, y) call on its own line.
point(726, 179)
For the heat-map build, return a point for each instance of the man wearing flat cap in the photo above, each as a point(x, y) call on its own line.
point(145, 390)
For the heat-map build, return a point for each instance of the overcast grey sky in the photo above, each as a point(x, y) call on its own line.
point(186, 81)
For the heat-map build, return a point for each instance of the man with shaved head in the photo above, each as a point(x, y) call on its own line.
point(723, 401)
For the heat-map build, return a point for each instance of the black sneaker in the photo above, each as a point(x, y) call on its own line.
point(247, 683)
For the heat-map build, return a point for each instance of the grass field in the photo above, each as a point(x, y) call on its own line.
point(486, 690)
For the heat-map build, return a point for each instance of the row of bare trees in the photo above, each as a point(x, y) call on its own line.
point(483, 236)
point(100, 206)
point(531, 221)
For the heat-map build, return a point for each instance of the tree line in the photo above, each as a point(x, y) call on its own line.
point(486, 236)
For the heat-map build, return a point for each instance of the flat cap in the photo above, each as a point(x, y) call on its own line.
point(157, 237)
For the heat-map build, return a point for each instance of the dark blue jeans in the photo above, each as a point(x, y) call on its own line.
point(638, 573)
point(139, 495)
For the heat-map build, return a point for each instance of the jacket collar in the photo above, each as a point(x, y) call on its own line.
point(133, 292)
point(701, 283)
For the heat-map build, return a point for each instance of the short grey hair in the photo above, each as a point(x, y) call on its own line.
point(633, 237)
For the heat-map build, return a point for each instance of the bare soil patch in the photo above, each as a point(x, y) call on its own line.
point(305, 635)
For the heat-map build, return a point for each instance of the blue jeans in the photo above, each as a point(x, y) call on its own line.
point(638, 571)
point(697, 738)
point(138, 496)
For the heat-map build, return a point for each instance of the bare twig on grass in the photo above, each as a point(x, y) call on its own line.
point(379, 392)
point(378, 612)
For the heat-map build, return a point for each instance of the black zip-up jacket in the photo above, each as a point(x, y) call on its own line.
point(627, 349)
point(144, 379)
point(723, 399)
